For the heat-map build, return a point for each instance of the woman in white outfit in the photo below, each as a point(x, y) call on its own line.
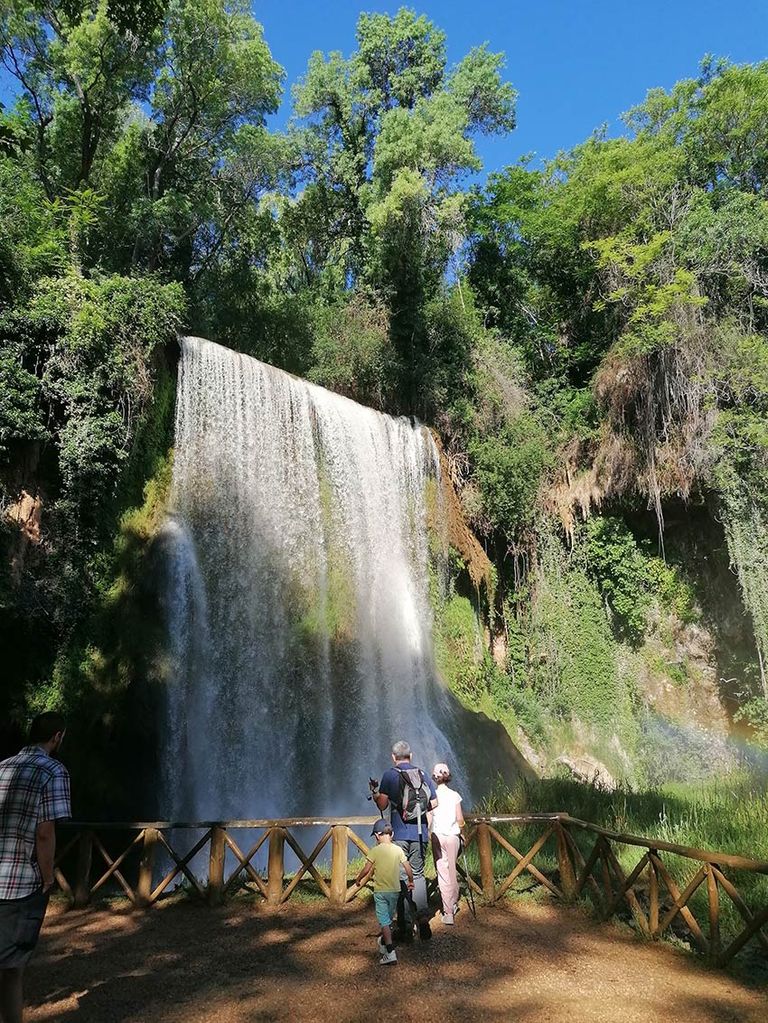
point(447, 822)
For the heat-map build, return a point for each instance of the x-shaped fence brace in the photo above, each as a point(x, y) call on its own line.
point(182, 865)
point(246, 866)
point(652, 895)
point(647, 880)
point(86, 842)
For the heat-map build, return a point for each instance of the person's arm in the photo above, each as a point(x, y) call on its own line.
point(459, 815)
point(364, 872)
point(55, 805)
point(383, 796)
point(381, 800)
point(407, 868)
point(45, 852)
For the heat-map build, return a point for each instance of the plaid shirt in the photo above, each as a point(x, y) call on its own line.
point(33, 788)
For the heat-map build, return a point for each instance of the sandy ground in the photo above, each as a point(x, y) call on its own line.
point(527, 962)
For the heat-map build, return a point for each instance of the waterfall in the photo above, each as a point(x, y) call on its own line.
point(300, 625)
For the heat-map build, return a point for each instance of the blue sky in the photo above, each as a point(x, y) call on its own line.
point(576, 65)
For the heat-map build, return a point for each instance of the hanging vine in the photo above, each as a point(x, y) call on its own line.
point(746, 532)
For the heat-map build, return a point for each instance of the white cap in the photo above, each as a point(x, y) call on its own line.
point(439, 769)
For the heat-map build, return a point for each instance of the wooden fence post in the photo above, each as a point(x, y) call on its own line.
point(275, 866)
point(216, 866)
point(339, 862)
point(605, 871)
point(146, 867)
point(485, 853)
point(82, 891)
point(565, 864)
point(653, 895)
point(713, 898)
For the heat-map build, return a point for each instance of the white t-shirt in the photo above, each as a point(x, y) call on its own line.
point(444, 815)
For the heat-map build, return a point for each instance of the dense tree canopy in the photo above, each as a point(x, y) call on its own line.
point(632, 272)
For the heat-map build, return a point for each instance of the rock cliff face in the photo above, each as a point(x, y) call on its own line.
point(587, 770)
point(25, 515)
point(458, 534)
point(679, 680)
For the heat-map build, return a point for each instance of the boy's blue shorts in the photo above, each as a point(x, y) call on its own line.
point(386, 907)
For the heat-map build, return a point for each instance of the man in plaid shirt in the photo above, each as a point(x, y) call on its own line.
point(34, 793)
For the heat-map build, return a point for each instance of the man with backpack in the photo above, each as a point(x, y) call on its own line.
point(411, 794)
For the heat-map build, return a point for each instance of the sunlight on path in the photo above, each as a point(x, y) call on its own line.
point(532, 963)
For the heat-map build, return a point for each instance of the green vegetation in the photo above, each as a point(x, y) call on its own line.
point(720, 816)
point(90, 354)
point(755, 713)
point(587, 337)
point(459, 648)
point(724, 816)
point(627, 274)
point(508, 469)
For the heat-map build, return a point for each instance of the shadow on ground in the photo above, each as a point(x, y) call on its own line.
point(529, 962)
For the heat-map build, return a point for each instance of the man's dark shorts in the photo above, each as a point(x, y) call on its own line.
point(20, 923)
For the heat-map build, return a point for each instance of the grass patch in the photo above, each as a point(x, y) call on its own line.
point(729, 815)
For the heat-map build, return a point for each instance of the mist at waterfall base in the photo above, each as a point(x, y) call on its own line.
point(297, 560)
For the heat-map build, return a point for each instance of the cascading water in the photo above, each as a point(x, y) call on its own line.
point(297, 596)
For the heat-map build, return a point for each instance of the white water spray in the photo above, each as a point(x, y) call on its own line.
point(299, 614)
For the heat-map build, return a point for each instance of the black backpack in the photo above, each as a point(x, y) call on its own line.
point(415, 797)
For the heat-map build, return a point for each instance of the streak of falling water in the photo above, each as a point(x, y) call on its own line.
point(298, 604)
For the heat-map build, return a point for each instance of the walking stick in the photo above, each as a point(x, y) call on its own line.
point(470, 893)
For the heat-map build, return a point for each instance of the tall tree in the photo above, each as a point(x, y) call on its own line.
point(386, 138)
point(77, 71)
point(154, 112)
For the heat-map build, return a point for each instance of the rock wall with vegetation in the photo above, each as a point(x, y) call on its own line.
point(587, 338)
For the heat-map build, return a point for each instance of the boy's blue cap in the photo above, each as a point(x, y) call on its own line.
point(381, 826)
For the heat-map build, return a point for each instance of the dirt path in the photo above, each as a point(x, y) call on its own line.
point(525, 962)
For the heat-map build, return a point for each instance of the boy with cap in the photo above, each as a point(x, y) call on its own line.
point(384, 861)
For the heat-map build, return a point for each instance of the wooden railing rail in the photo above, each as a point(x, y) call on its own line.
point(568, 868)
point(706, 856)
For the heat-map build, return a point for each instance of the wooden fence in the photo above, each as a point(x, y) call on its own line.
point(575, 858)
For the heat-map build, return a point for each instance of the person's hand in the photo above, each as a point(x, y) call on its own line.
point(48, 886)
point(410, 885)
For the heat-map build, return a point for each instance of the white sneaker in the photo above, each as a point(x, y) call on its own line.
point(447, 920)
point(387, 958)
